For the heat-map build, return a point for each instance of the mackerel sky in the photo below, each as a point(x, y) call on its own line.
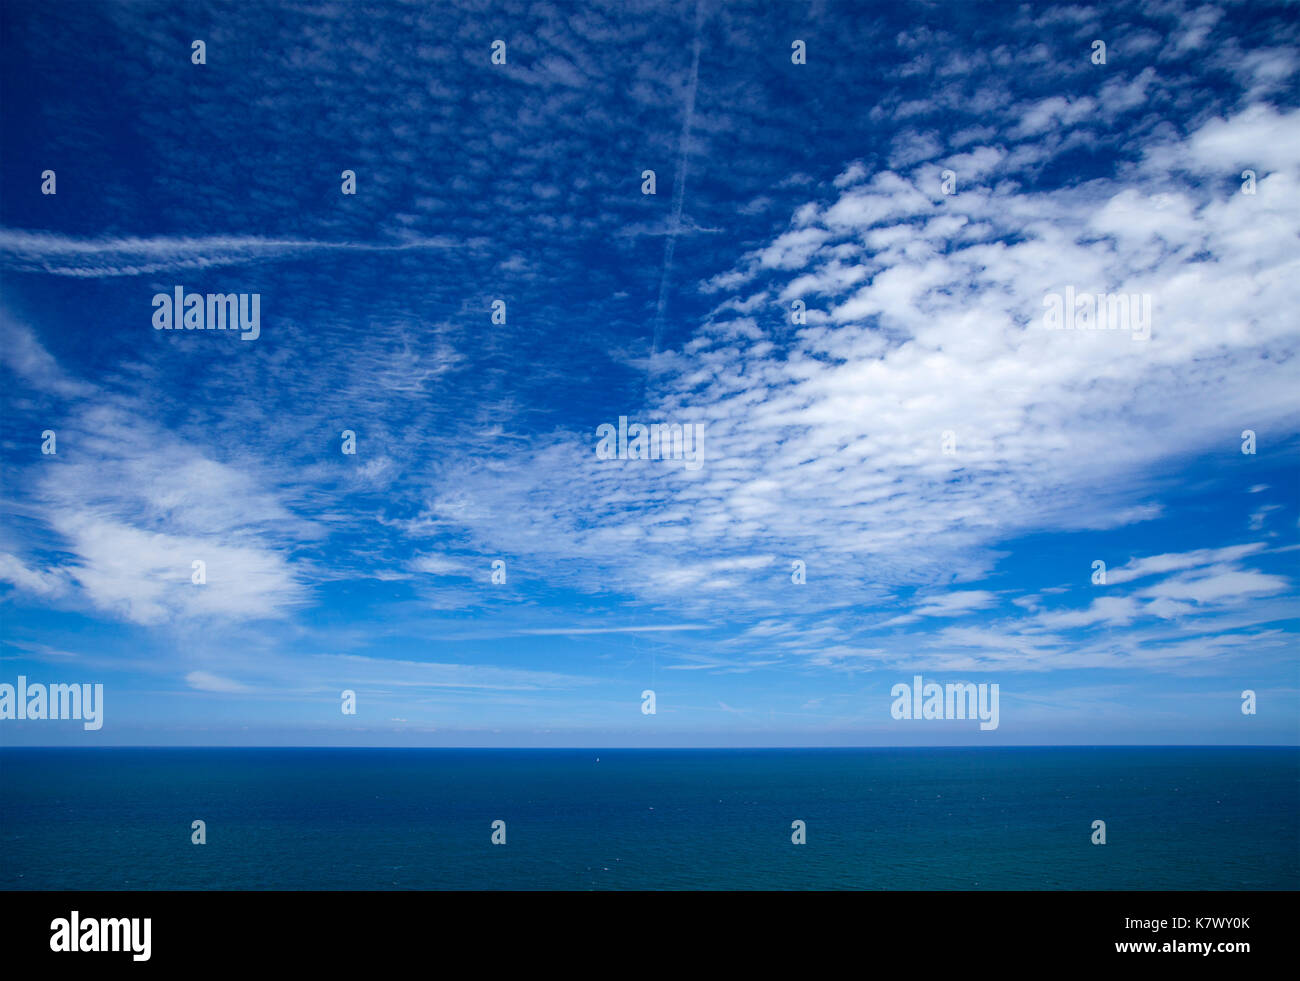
point(824, 441)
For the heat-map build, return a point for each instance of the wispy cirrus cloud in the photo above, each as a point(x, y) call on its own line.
point(60, 255)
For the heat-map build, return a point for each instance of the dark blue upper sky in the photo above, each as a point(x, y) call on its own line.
point(946, 470)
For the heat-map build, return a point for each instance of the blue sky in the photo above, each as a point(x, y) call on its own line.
point(824, 440)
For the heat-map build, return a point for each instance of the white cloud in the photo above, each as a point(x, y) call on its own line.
point(62, 255)
point(1177, 561)
point(205, 681)
point(440, 565)
point(1113, 610)
point(45, 584)
point(1219, 584)
point(946, 605)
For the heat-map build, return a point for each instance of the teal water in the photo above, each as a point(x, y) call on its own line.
point(1014, 818)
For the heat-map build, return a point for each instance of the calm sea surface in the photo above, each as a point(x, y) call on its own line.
point(1176, 818)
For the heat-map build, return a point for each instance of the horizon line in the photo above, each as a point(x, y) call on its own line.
point(611, 749)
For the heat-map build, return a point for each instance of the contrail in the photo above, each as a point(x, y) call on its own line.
point(60, 255)
point(679, 189)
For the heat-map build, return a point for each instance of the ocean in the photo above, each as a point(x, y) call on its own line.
point(1178, 818)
